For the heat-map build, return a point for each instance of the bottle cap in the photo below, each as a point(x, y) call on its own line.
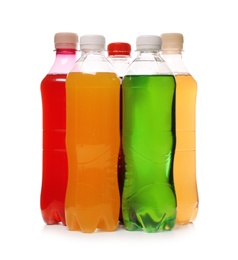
point(172, 42)
point(119, 48)
point(92, 42)
point(148, 42)
point(64, 40)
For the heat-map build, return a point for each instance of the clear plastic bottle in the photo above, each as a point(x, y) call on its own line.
point(119, 54)
point(92, 140)
point(148, 199)
point(54, 165)
point(185, 153)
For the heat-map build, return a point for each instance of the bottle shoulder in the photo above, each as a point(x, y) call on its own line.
point(92, 62)
point(63, 64)
point(148, 67)
point(120, 64)
point(176, 63)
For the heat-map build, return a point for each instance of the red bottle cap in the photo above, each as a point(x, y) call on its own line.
point(119, 48)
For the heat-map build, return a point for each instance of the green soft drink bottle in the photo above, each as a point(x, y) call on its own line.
point(148, 137)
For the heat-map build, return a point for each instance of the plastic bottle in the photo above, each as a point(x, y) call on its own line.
point(148, 199)
point(54, 159)
point(185, 153)
point(92, 140)
point(119, 54)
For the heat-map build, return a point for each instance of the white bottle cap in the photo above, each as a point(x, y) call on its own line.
point(64, 40)
point(148, 42)
point(172, 42)
point(92, 42)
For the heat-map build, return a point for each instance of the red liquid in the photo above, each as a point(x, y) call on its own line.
point(55, 167)
point(121, 161)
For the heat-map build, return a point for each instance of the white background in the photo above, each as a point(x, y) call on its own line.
point(26, 42)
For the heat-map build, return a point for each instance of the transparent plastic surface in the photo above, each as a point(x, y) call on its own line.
point(92, 141)
point(185, 152)
point(148, 199)
point(54, 164)
point(184, 169)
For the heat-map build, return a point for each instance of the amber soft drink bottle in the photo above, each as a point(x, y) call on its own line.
point(185, 153)
point(119, 54)
point(54, 165)
point(148, 137)
point(92, 140)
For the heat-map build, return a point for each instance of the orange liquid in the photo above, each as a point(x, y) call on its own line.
point(92, 142)
point(185, 153)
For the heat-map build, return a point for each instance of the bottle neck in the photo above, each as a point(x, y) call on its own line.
point(64, 60)
point(93, 52)
point(149, 55)
point(147, 52)
point(175, 62)
point(119, 56)
point(65, 51)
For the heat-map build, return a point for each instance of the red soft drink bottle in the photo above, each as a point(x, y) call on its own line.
point(54, 157)
point(119, 54)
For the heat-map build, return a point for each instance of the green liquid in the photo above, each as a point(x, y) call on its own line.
point(148, 199)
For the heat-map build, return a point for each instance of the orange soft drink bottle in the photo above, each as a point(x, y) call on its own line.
point(92, 140)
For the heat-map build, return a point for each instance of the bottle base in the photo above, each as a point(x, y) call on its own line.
point(53, 218)
point(150, 222)
point(87, 221)
point(189, 218)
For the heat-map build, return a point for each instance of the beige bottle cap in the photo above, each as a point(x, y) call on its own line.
point(64, 40)
point(172, 42)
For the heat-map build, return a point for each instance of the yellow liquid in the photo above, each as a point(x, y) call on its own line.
point(185, 153)
point(92, 142)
